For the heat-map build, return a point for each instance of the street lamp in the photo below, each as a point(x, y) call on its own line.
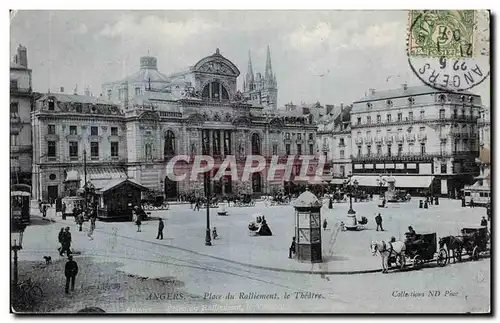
point(207, 194)
point(350, 187)
point(85, 177)
point(17, 231)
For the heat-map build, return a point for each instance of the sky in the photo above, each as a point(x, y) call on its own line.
point(329, 57)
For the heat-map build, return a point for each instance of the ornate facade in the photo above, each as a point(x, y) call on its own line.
point(21, 101)
point(427, 134)
point(198, 112)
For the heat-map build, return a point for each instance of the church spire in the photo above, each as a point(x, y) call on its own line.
point(269, 69)
point(249, 77)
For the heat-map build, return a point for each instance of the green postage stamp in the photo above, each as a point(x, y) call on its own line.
point(441, 33)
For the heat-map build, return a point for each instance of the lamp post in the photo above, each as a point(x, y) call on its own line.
point(350, 186)
point(18, 231)
point(85, 177)
point(207, 193)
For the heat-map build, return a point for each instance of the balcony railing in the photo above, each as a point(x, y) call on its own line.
point(414, 155)
point(368, 139)
point(379, 139)
point(418, 120)
point(410, 137)
point(422, 136)
point(400, 138)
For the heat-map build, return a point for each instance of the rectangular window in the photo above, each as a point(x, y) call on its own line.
point(227, 142)
point(299, 149)
point(287, 136)
point(422, 115)
point(94, 131)
point(410, 148)
point(13, 140)
point(410, 116)
point(13, 84)
point(311, 136)
point(137, 91)
point(369, 120)
point(94, 149)
point(455, 113)
point(443, 168)
point(400, 117)
point(422, 148)
point(311, 149)
point(51, 105)
point(359, 120)
point(206, 142)
point(275, 149)
point(114, 149)
point(14, 109)
point(120, 94)
point(114, 131)
point(342, 143)
point(51, 149)
point(341, 154)
point(389, 118)
point(73, 149)
point(455, 145)
point(299, 136)
point(109, 94)
point(389, 152)
point(400, 149)
point(379, 150)
point(379, 118)
point(51, 130)
point(287, 148)
point(216, 142)
point(368, 150)
point(359, 150)
point(441, 114)
point(72, 130)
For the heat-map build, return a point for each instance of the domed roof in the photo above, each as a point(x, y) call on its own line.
point(307, 199)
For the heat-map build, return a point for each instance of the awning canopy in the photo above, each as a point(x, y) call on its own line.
point(101, 176)
point(114, 183)
point(401, 181)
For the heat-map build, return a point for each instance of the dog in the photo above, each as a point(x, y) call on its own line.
point(48, 259)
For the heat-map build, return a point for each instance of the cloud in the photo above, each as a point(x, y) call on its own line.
point(178, 31)
point(82, 29)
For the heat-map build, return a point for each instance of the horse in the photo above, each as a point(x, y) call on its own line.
point(454, 244)
point(387, 251)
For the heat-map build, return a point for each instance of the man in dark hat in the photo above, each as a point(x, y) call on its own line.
point(70, 271)
point(378, 220)
point(161, 225)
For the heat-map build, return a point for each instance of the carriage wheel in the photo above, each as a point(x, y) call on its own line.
point(457, 253)
point(475, 253)
point(417, 263)
point(442, 258)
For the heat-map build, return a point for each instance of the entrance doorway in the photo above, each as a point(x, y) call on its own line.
point(52, 192)
point(170, 188)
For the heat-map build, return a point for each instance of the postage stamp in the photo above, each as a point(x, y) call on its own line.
point(179, 173)
point(449, 49)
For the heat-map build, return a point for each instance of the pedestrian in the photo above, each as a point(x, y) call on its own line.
point(61, 239)
point(70, 271)
point(292, 249)
point(378, 220)
point(484, 222)
point(44, 210)
point(40, 205)
point(92, 222)
point(138, 223)
point(471, 202)
point(161, 225)
point(214, 233)
point(66, 242)
point(325, 224)
point(63, 210)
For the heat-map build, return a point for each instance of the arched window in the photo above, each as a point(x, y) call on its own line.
point(148, 151)
point(255, 144)
point(169, 146)
point(215, 91)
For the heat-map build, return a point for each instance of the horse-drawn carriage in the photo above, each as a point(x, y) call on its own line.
point(398, 196)
point(422, 249)
point(473, 240)
point(352, 223)
point(245, 200)
point(279, 200)
point(259, 227)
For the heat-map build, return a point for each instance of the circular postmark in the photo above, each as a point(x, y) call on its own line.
point(449, 49)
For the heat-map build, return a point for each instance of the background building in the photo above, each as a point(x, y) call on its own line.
point(258, 89)
point(426, 138)
point(21, 101)
point(334, 141)
point(136, 138)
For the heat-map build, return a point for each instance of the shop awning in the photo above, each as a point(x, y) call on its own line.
point(100, 176)
point(401, 181)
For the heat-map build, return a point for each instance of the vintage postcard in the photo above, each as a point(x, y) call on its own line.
point(250, 161)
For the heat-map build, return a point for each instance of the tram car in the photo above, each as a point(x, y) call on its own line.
point(20, 203)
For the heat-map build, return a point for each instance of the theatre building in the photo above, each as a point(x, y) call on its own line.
point(425, 138)
point(195, 112)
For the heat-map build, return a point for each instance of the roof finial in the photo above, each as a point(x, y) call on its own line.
point(217, 51)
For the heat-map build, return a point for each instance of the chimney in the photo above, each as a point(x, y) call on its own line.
point(125, 99)
point(371, 91)
point(404, 86)
point(22, 55)
point(62, 89)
